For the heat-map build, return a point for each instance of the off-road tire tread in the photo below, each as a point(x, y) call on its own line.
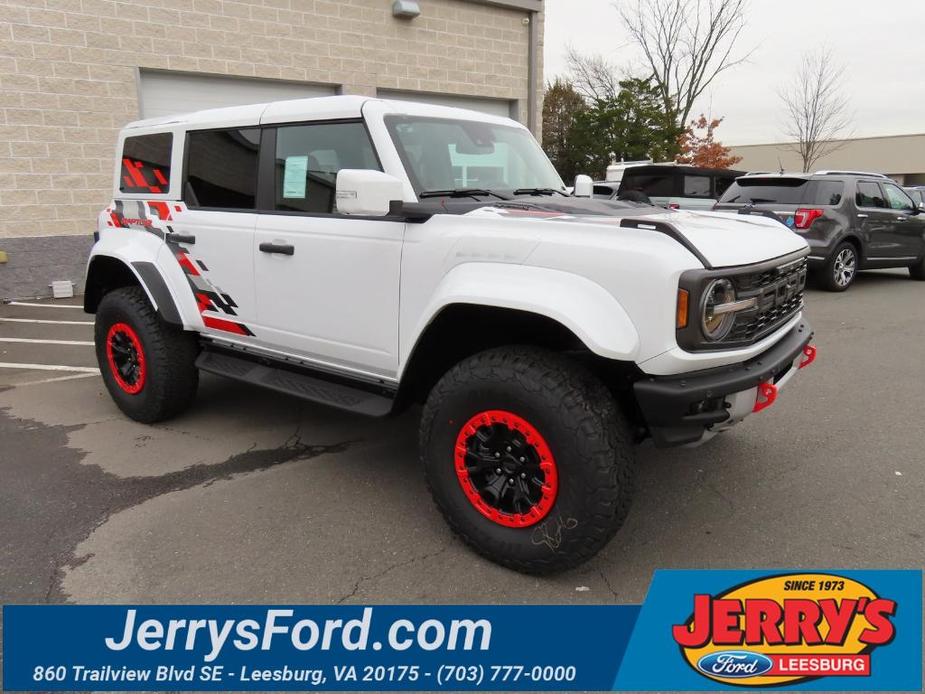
point(596, 426)
point(169, 350)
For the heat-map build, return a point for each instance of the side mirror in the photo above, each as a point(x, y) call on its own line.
point(366, 192)
point(584, 187)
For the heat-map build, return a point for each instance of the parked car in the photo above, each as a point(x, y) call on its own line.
point(368, 255)
point(852, 221)
point(917, 193)
point(673, 186)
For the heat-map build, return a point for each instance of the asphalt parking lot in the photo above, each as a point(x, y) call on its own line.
point(256, 497)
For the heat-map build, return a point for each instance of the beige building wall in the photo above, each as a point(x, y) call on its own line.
point(899, 156)
point(69, 72)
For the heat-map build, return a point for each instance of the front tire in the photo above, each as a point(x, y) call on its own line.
point(841, 268)
point(148, 366)
point(562, 445)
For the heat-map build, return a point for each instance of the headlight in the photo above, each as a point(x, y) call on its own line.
point(717, 317)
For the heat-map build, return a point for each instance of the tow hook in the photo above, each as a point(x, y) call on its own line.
point(809, 355)
point(767, 394)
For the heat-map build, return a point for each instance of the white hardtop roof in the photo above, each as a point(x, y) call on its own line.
point(317, 108)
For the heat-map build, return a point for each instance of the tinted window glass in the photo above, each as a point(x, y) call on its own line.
point(603, 191)
point(222, 168)
point(827, 192)
point(696, 186)
point(308, 158)
point(869, 195)
point(146, 163)
point(757, 191)
point(897, 199)
point(722, 184)
point(653, 185)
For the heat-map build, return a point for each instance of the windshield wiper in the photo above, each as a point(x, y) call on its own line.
point(539, 191)
point(461, 193)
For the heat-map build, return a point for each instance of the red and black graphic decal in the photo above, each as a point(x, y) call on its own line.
point(208, 297)
point(146, 163)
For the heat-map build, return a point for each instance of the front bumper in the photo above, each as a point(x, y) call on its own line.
point(690, 408)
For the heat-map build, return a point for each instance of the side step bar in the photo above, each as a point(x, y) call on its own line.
point(301, 383)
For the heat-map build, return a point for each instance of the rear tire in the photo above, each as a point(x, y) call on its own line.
point(917, 271)
point(148, 366)
point(841, 268)
point(550, 407)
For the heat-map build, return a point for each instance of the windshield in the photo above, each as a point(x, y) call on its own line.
point(443, 155)
point(784, 191)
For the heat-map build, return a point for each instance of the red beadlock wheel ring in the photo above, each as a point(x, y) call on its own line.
point(126, 358)
point(510, 443)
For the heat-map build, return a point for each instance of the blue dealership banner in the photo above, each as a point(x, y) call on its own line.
point(697, 630)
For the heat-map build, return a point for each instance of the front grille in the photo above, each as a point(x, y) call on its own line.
point(780, 296)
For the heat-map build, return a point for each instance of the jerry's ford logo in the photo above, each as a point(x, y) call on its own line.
point(779, 630)
point(735, 664)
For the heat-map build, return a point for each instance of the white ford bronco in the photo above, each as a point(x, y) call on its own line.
point(370, 255)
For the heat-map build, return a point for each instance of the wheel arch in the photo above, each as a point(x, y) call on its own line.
point(106, 273)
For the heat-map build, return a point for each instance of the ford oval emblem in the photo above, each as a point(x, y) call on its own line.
point(735, 664)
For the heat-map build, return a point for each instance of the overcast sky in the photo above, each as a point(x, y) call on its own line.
point(880, 44)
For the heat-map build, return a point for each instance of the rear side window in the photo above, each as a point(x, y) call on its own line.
point(758, 191)
point(308, 158)
point(653, 185)
point(221, 168)
point(869, 195)
point(827, 193)
point(146, 163)
point(697, 186)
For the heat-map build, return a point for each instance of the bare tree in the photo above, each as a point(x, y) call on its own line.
point(592, 76)
point(817, 111)
point(686, 44)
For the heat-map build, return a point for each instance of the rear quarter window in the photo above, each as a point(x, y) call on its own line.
point(146, 163)
point(653, 185)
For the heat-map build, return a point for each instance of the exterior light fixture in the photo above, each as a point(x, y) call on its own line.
point(406, 9)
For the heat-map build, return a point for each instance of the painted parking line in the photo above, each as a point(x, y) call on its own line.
point(46, 322)
point(49, 367)
point(26, 303)
point(82, 343)
point(72, 377)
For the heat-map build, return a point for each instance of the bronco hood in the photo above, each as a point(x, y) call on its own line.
point(717, 239)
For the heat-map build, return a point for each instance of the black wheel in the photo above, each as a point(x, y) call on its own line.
point(148, 365)
point(917, 271)
point(841, 268)
point(528, 457)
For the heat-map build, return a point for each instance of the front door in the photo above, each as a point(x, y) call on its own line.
point(327, 284)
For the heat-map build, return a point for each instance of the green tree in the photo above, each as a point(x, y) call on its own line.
point(632, 125)
point(562, 105)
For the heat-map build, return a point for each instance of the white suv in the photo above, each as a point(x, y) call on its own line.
point(369, 255)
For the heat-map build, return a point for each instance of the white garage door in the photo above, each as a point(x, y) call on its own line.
point(496, 107)
point(167, 93)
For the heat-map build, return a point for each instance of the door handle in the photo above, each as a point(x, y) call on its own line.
point(280, 248)
point(188, 239)
point(861, 215)
point(900, 219)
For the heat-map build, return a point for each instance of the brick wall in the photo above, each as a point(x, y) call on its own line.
point(68, 75)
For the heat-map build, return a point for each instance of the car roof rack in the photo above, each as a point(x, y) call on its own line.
point(850, 173)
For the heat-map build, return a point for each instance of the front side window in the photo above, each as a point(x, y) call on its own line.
point(146, 163)
point(221, 168)
point(869, 195)
point(445, 155)
point(897, 199)
point(308, 158)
